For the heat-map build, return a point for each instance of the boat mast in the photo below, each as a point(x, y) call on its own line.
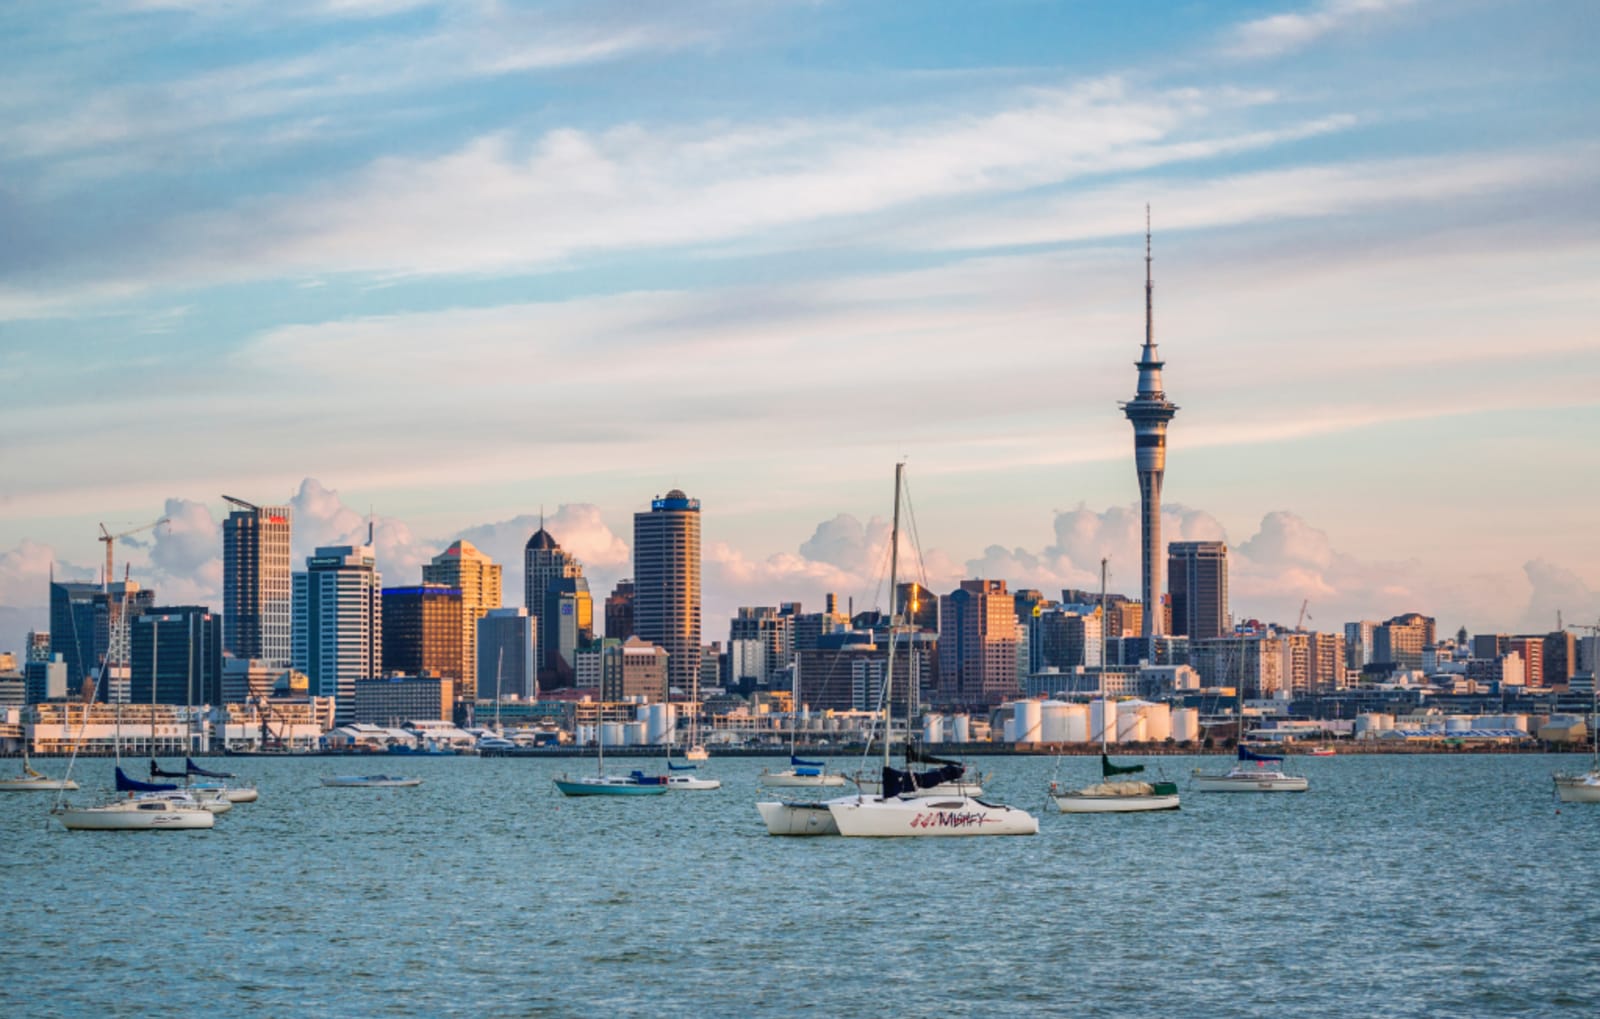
point(1104, 725)
point(894, 615)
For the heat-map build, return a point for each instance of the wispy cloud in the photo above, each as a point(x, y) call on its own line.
point(1280, 34)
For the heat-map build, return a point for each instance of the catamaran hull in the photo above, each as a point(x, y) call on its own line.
point(797, 818)
point(1578, 788)
point(1250, 783)
point(1073, 803)
point(788, 780)
point(927, 816)
point(369, 782)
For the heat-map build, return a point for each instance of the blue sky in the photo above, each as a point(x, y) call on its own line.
point(448, 263)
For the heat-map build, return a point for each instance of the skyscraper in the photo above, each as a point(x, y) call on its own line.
point(544, 564)
point(477, 577)
point(85, 629)
point(666, 579)
point(179, 650)
point(978, 645)
point(1197, 580)
point(422, 631)
point(619, 611)
point(1149, 411)
point(507, 650)
point(256, 601)
point(338, 623)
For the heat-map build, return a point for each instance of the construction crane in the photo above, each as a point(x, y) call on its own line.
point(111, 540)
point(1300, 624)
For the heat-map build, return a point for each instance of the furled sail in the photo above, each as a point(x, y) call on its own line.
point(157, 772)
point(1107, 769)
point(191, 768)
point(1246, 754)
point(133, 785)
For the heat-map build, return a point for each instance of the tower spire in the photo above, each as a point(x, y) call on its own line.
point(1149, 287)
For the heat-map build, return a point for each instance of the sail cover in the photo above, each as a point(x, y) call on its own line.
point(133, 785)
point(679, 767)
point(156, 772)
point(1107, 769)
point(1246, 754)
point(191, 768)
point(896, 781)
point(798, 763)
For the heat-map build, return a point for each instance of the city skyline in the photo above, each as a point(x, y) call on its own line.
point(451, 263)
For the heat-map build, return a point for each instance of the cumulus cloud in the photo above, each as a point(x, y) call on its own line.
point(577, 527)
point(1279, 34)
point(25, 589)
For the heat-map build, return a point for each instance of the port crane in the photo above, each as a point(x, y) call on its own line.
point(111, 540)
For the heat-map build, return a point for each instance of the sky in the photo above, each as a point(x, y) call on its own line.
point(445, 266)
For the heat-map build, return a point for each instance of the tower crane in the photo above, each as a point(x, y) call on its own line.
point(1300, 624)
point(111, 540)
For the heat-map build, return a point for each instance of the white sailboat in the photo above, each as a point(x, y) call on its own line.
point(635, 784)
point(1250, 773)
point(905, 807)
point(33, 781)
point(1584, 787)
point(801, 773)
point(1113, 795)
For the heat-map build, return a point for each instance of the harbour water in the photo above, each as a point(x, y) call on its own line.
point(1430, 885)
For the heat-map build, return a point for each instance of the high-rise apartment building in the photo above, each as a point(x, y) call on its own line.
point(1149, 412)
point(666, 580)
point(338, 623)
point(1560, 657)
point(1064, 639)
point(477, 577)
point(544, 564)
point(256, 596)
point(634, 670)
point(422, 631)
point(619, 611)
point(977, 645)
point(508, 648)
point(1197, 581)
point(1532, 651)
point(179, 650)
point(1358, 640)
point(1399, 642)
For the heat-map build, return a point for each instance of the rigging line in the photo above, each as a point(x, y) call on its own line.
point(916, 538)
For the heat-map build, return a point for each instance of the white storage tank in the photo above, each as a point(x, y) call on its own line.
point(1370, 723)
point(1460, 723)
point(660, 722)
point(1026, 719)
point(1102, 721)
point(933, 727)
point(634, 733)
point(1077, 723)
point(611, 734)
point(1158, 722)
point(1008, 729)
point(1130, 722)
point(961, 729)
point(1053, 721)
point(1186, 724)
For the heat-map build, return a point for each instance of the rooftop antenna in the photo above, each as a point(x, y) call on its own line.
point(1149, 328)
point(369, 523)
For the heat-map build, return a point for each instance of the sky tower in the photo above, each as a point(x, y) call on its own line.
point(1150, 410)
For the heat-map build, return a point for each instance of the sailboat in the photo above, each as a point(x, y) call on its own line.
point(636, 783)
point(1585, 787)
point(1250, 773)
point(906, 806)
point(801, 773)
point(33, 781)
point(1114, 795)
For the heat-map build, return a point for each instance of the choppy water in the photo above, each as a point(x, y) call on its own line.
point(1396, 887)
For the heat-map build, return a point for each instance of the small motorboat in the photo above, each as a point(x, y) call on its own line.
point(369, 781)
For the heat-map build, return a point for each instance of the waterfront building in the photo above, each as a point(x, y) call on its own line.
point(619, 611)
point(477, 577)
point(544, 565)
point(634, 670)
point(1149, 412)
point(392, 700)
point(1197, 583)
point(257, 601)
point(85, 628)
point(178, 652)
point(666, 578)
point(338, 623)
point(977, 645)
point(508, 655)
point(422, 631)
